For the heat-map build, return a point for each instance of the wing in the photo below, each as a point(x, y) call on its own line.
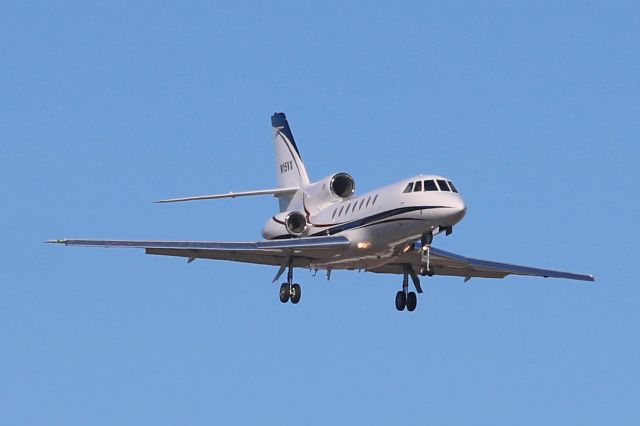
point(447, 263)
point(301, 251)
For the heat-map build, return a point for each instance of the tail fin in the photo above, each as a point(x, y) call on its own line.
point(290, 169)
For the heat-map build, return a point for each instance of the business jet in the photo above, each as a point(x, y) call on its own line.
point(326, 226)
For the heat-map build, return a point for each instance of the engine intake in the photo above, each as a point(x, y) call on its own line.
point(295, 223)
point(342, 185)
point(329, 190)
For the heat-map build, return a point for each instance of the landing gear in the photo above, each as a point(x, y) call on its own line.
point(424, 271)
point(426, 241)
point(288, 290)
point(285, 292)
point(405, 298)
point(295, 293)
point(409, 301)
point(412, 301)
point(401, 300)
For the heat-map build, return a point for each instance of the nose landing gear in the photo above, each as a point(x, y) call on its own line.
point(426, 241)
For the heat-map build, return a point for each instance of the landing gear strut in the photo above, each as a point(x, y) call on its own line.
point(289, 290)
point(405, 298)
point(426, 241)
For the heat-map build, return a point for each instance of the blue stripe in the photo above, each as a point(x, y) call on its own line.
point(373, 218)
point(279, 121)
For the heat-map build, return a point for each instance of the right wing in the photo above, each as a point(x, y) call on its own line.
point(275, 192)
point(447, 263)
point(301, 251)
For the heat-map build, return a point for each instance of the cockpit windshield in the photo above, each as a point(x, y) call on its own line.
point(443, 185)
point(430, 185)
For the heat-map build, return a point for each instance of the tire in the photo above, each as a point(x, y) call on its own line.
point(424, 271)
point(401, 301)
point(284, 293)
point(295, 293)
point(412, 302)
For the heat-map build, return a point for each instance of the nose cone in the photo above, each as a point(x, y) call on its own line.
point(457, 210)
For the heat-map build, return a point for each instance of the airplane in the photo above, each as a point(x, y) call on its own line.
point(325, 225)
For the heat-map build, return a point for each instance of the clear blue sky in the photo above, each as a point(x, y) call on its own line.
point(530, 107)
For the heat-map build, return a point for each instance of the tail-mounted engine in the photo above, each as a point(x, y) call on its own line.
point(285, 224)
point(317, 196)
point(329, 190)
point(342, 185)
point(295, 223)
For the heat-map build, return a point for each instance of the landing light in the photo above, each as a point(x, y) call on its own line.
point(364, 245)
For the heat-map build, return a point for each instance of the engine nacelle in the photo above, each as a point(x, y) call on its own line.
point(295, 223)
point(329, 190)
point(291, 223)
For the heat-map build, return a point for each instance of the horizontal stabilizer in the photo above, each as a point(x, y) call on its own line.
point(275, 192)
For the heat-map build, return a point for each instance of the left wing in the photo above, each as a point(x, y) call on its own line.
point(276, 192)
point(447, 263)
point(300, 251)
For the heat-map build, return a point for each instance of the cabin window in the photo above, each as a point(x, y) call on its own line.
point(374, 200)
point(368, 201)
point(430, 185)
point(443, 185)
point(340, 212)
point(409, 188)
point(354, 207)
point(334, 214)
point(418, 186)
point(361, 203)
point(453, 187)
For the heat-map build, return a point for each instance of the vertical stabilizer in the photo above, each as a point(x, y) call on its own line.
point(290, 170)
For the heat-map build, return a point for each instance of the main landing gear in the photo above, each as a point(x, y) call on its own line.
point(405, 298)
point(289, 290)
point(408, 300)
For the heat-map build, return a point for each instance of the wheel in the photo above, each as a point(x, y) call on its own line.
point(284, 293)
point(424, 271)
point(401, 301)
point(412, 301)
point(295, 293)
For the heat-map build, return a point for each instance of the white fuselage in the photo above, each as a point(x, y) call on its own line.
point(379, 221)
